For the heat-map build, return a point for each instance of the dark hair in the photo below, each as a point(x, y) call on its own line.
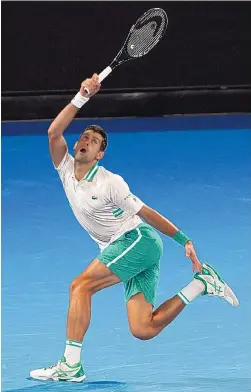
point(100, 130)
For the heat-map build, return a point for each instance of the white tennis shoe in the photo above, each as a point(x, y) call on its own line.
point(215, 285)
point(62, 371)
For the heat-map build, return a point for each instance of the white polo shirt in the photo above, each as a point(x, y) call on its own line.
point(101, 202)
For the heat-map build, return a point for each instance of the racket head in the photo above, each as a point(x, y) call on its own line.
point(143, 36)
point(146, 32)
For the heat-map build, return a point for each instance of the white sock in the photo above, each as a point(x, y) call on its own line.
point(191, 291)
point(72, 351)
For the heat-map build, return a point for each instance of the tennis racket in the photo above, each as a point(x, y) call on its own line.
point(142, 37)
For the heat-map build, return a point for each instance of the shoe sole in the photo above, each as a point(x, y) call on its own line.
point(235, 301)
point(73, 379)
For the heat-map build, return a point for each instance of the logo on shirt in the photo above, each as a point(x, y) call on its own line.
point(130, 195)
point(94, 197)
point(127, 197)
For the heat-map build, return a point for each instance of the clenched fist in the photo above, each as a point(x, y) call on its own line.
point(92, 85)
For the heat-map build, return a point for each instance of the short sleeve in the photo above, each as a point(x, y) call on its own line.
point(122, 197)
point(65, 166)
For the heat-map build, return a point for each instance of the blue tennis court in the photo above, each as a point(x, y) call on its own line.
point(196, 171)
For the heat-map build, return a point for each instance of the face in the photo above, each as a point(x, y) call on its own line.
point(88, 146)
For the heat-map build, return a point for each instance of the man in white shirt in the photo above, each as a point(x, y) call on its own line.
point(130, 249)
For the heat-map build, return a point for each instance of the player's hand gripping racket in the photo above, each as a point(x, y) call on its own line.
point(142, 37)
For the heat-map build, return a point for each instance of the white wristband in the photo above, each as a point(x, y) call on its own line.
point(79, 100)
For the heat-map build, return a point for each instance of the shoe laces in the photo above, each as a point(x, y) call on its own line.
point(52, 366)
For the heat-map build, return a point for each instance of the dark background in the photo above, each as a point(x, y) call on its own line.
point(49, 46)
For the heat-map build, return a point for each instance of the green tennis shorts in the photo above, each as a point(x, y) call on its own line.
point(135, 259)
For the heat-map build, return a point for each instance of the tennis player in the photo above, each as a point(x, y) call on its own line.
point(130, 248)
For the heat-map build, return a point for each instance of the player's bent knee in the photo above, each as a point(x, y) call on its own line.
point(142, 333)
point(81, 285)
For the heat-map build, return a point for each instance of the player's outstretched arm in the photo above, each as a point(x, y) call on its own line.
point(158, 221)
point(57, 142)
point(162, 224)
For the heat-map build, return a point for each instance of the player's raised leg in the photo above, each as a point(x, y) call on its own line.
point(96, 277)
point(146, 324)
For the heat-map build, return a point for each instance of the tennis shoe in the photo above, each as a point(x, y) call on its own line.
point(215, 285)
point(62, 371)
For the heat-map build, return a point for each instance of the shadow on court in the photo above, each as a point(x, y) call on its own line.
point(192, 384)
point(51, 386)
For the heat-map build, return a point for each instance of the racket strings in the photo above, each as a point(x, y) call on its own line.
point(142, 40)
point(148, 33)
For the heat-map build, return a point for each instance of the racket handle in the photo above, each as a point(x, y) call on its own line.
point(101, 76)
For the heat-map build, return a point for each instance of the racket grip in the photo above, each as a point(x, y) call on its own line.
point(101, 76)
point(104, 74)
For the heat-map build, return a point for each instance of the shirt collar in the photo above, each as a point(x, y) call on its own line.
point(91, 173)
